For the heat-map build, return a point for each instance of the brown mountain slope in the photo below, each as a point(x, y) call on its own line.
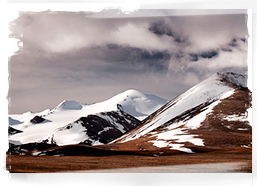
point(224, 128)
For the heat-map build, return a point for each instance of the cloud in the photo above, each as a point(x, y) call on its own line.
point(75, 56)
point(225, 60)
point(204, 33)
point(140, 37)
point(64, 32)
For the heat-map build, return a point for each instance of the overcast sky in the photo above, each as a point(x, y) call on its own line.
point(90, 57)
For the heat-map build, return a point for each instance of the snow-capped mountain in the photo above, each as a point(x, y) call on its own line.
point(209, 116)
point(213, 113)
point(96, 129)
point(35, 127)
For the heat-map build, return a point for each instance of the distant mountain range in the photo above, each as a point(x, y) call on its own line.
point(74, 123)
point(210, 116)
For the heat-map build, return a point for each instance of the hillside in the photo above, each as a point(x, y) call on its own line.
point(210, 116)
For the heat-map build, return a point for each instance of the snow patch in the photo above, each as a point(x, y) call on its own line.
point(242, 129)
point(35, 153)
point(180, 148)
point(74, 135)
point(235, 117)
point(159, 143)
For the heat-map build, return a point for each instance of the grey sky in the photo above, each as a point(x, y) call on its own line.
point(92, 57)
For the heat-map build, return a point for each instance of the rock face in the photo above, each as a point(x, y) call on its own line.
point(37, 119)
point(237, 81)
point(25, 148)
point(12, 131)
point(95, 129)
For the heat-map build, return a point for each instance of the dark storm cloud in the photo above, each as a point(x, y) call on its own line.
point(134, 58)
point(81, 57)
point(161, 28)
point(207, 54)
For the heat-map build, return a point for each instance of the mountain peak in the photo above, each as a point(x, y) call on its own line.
point(130, 93)
point(233, 79)
point(69, 104)
point(136, 103)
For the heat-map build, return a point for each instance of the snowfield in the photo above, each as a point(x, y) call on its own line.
point(133, 102)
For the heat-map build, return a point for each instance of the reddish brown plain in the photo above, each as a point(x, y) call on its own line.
point(42, 164)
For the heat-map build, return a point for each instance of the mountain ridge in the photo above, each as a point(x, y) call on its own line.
point(183, 124)
point(212, 88)
point(36, 126)
point(188, 130)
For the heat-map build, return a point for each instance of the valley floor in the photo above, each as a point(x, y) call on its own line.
point(43, 164)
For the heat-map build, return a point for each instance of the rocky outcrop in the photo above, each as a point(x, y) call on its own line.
point(12, 131)
point(37, 119)
point(94, 129)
